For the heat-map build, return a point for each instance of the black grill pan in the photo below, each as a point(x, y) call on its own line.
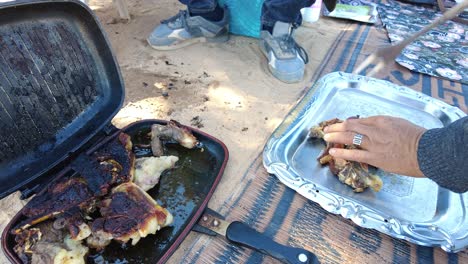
point(184, 191)
point(59, 86)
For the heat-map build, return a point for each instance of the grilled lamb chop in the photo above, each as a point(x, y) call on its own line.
point(354, 174)
point(110, 166)
point(119, 158)
point(65, 194)
point(129, 213)
point(148, 170)
point(172, 131)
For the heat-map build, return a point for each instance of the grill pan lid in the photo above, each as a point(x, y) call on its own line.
point(59, 86)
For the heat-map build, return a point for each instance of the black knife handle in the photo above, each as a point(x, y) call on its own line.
point(242, 234)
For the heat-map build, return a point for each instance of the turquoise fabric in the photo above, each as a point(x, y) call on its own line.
point(245, 16)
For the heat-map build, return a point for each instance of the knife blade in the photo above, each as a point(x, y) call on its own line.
point(211, 223)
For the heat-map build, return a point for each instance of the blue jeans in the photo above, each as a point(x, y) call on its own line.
point(287, 11)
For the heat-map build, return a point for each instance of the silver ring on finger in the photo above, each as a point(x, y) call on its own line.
point(357, 139)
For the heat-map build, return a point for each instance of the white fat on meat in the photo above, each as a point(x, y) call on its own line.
point(67, 252)
point(75, 254)
point(148, 170)
point(84, 232)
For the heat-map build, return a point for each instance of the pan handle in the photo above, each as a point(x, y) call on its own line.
point(244, 235)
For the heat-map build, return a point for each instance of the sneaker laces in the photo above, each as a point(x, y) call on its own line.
point(302, 53)
point(180, 21)
point(287, 42)
point(179, 18)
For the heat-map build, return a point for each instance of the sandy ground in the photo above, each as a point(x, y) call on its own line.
point(224, 89)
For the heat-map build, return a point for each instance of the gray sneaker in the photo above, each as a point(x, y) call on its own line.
point(286, 59)
point(183, 30)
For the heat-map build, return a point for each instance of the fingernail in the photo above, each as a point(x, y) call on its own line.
point(325, 129)
point(326, 137)
point(332, 151)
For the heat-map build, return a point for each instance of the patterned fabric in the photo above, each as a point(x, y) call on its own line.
point(442, 52)
point(447, 4)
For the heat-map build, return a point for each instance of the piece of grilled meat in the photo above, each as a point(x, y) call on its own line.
point(110, 166)
point(148, 170)
point(61, 196)
point(24, 241)
point(74, 221)
point(46, 244)
point(117, 157)
point(172, 131)
point(317, 131)
point(129, 214)
point(355, 174)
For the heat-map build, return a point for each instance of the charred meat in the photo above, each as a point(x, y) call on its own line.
point(355, 174)
point(129, 214)
point(67, 193)
point(46, 244)
point(149, 169)
point(74, 221)
point(24, 241)
point(117, 156)
point(110, 166)
point(102, 199)
point(172, 131)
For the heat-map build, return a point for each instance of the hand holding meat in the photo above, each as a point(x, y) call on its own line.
point(354, 174)
point(388, 143)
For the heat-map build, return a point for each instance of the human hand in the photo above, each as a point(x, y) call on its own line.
point(388, 143)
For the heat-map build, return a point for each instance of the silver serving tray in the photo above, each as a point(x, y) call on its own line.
point(417, 210)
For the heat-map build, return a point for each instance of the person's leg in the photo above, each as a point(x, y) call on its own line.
point(208, 9)
point(204, 21)
point(200, 5)
point(288, 11)
point(286, 59)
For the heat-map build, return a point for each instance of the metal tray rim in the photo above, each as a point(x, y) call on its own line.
point(441, 234)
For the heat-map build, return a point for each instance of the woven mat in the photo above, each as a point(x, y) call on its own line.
point(264, 203)
point(442, 52)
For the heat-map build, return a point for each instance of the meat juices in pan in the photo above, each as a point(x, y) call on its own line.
point(104, 200)
point(354, 174)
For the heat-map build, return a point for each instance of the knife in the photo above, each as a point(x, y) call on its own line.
point(211, 223)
